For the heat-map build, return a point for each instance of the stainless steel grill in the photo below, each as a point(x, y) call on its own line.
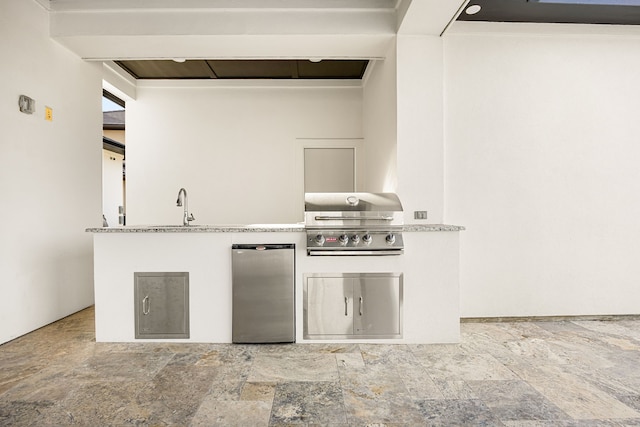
point(353, 224)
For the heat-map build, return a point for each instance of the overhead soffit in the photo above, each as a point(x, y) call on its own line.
point(547, 12)
point(328, 27)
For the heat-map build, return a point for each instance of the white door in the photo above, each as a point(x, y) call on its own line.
point(112, 186)
point(329, 170)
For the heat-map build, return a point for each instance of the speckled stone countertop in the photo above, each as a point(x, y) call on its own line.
point(222, 228)
point(251, 228)
point(432, 227)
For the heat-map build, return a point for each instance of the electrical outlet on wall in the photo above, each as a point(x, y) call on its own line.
point(419, 214)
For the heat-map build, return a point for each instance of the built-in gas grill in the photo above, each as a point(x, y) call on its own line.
point(353, 224)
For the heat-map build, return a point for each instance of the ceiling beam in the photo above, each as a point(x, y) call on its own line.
point(225, 33)
point(222, 22)
point(85, 5)
point(105, 48)
point(429, 17)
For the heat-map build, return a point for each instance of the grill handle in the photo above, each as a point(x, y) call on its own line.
point(320, 252)
point(352, 218)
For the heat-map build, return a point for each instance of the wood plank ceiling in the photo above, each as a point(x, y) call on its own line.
point(616, 12)
point(245, 69)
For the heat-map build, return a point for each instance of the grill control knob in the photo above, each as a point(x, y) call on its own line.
point(355, 238)
point(344, 239)
point(366, 238)
point(319, 239)
point(391, 238)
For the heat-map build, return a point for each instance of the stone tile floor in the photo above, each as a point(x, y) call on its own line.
point(536, 374)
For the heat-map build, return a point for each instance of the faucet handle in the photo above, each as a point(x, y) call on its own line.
point(191, 217)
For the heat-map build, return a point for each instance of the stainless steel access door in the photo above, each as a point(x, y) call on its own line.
point(161, 304)
point(263, 293)
point(328, 308)
point(377, 303)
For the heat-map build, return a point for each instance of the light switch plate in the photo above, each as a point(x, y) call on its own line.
point(27, 105)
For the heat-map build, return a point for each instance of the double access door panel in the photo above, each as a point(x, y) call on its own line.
point(351, 305)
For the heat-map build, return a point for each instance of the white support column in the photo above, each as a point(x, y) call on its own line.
point(420, 126)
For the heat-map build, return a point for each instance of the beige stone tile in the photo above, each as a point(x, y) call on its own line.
point(454, 390)
point(472, 367)
point(435, 349)
point(350, 361)
point(386, 354)
point(122, 366)
point(575, 396)
point(293, 367)
point(230, 414)
point(305, 402)
point(608, 328)
point(226, 390)
point(262, 392)
point(377, 395)
point(537, 350)
point(418, 382)
point(175, 393)
point(305, 348)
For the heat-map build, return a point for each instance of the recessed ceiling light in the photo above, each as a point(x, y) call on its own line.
point(473, 9)
point(315, 59)
point(178, 60)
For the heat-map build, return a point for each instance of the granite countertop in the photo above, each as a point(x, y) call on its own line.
point(432, 227)
point(250, 228)
point(214, 228)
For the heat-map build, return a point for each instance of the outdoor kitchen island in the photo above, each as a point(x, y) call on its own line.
point(429, 268)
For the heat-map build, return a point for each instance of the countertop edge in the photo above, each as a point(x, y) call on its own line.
point(282, 228)
point(432, 227)
point(198, 229)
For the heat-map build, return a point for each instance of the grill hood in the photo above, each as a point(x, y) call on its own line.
point(353, 224)
point(352, 202)
point(349, 210)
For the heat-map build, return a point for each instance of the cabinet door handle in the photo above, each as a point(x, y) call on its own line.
point(346, 306)
point(360, 306)
point(146, 305)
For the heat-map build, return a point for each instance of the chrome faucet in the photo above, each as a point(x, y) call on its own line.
point(182, 201)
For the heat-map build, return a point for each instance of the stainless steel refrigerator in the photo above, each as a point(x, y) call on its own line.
point(263, 293)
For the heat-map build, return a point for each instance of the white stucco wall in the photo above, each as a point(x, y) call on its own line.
point(235, 149)
point(380, 124)
point(49, 173)
point(542, 149)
